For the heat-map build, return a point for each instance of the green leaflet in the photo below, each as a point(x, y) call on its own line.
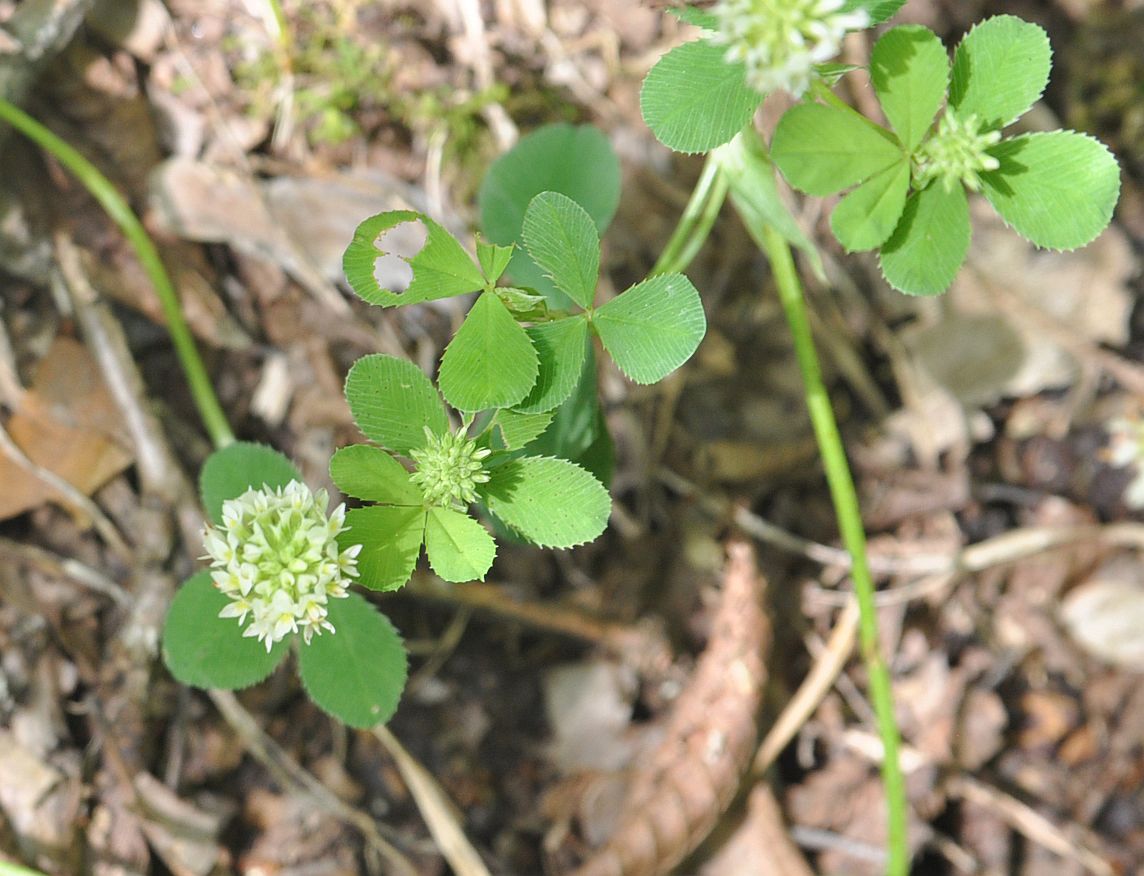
point(693, 100)
point(910, 73)
point(392, 402)
point(391, 539)
point(927, 249)
point(653, 327)
point(358, 672)
point(1000, 69)
point(869, 214)
point(490, 363)
point(551, 502)
point(1057, 189)
point(459, 548)
point(562, 239)
point(238, 467)
point(575, 161)
point(822, 150)
point(204, 650)
point(560, 346)
point(370, 473)
point(441, 267)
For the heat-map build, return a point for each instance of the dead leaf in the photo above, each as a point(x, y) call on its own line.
point(1105, 614)
point(67, 423)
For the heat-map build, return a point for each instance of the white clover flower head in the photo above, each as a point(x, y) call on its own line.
point(956, 152)
point(780, 41)
point(449, 467)
point(276, 557)
point(1126, 447)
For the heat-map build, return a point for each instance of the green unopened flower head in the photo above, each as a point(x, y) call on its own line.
point(449, 467)
point(780, 41)
point(956, 153)
point(276, 557)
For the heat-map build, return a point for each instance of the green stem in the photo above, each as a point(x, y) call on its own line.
point(849, 517)
point(695, 223)
point(214, 420)
point(9, 869)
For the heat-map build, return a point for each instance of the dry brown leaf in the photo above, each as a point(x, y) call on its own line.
point(67, 423)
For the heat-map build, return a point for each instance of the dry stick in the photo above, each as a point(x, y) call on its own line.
point(1020, 816)
point(65, 567)
point(70, 494)
point(689, 779)
point(1009, 547)
point(645, 645)
point(435, 808)
point(291, 774)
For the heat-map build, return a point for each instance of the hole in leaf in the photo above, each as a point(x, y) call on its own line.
point(396, 246)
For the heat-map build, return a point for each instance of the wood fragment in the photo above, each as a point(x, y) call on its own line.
point(683, 787)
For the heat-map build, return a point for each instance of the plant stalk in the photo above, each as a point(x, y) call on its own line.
point(100, 187)
point(695, 222)
point(849, 517)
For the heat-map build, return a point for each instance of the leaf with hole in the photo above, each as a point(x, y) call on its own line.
point(440, 267)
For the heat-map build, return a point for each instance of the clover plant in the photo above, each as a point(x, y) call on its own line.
point(511, 435)
point(906, 187)
point(444, 462)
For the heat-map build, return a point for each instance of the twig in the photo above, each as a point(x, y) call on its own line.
point(102, 524)
point(67, 568)
point(100, 188)
point(158, 470)
point(1009, 547)
point(271, 755)
point(436, 809)
point(1029, 823)
point(1020, 816)
point(688, 781)
point(645, 645)
point(811, 692)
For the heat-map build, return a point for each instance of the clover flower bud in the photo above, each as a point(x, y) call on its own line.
point(449, 467)
point(780, 41)
point(276, 557)
point(956, 153)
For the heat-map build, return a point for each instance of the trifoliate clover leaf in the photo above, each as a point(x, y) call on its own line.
point(1056, 189)
point(426, 500)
